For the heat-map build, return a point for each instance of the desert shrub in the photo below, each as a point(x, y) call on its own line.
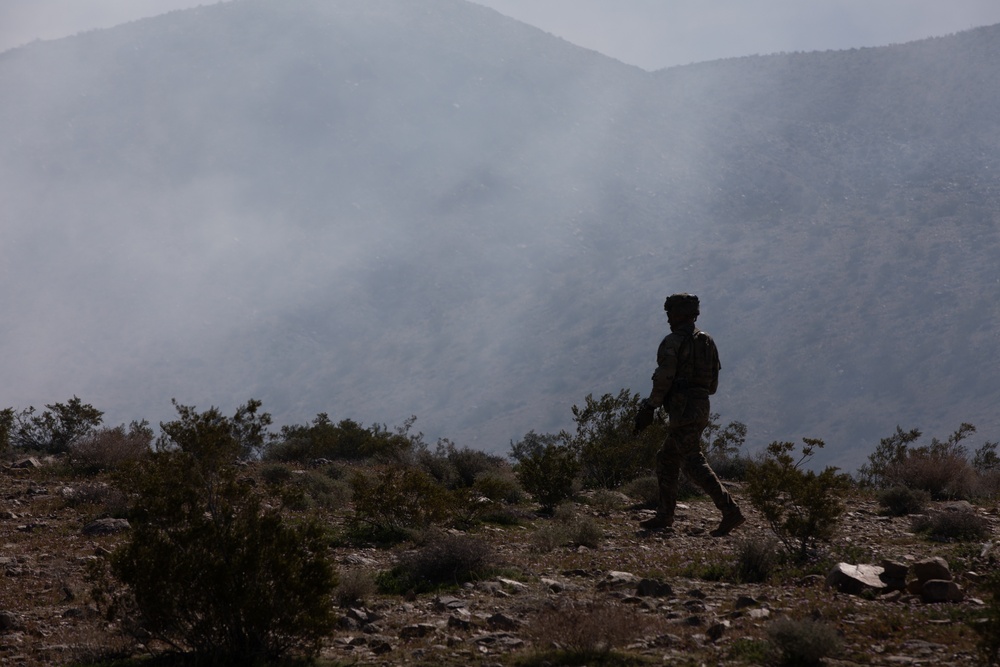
point(645, 490)
point(325, 492)
point(800, 505)
point(802, 642)
point(303, 490)
point(902, 500)
point(985, 458)
point(605, 500)
point(987, 626)
point(55, 430)
point(445, 560)
point(276, 474)
point(942, 468)
point(943, 471)
point(952, 526)
point(988, 485)
point(108, 449)
point(469, 507)
point(207, 567)
point(6, 425)
point(546, 467)
point(587, 633)
point(354, 588)
point(585, 532)
point(609, 453)
point(104, 499)
point(456, 467)
point(880, 471)
point(500, 486)
point(722, 446)
point(391, 503)
point(345, 440)
point(567, 528)
point(549, 536)
point(756, 560)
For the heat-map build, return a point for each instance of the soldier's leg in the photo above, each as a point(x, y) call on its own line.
point(668, 470)
point(697, 468)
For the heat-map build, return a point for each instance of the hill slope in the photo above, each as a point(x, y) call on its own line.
point(384, 208)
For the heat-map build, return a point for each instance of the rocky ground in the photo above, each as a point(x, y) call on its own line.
point(669, 599)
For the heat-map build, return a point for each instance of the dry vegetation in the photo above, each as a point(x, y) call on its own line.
point(527, 598)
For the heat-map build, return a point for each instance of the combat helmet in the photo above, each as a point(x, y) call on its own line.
point(682, 304)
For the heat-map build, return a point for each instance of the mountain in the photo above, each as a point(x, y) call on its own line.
point(383, 208)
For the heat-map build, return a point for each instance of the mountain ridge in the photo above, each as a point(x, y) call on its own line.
point(379, 209)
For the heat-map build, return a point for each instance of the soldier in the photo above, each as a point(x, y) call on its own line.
point(687, 373)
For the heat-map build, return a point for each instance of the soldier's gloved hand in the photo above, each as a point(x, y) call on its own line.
point(644, 417)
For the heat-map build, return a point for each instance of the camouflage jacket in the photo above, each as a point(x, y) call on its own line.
point(687, 363)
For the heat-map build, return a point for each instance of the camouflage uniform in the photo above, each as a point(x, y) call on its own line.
point(687, 373)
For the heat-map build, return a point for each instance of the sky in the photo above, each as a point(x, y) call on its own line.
point(650, 34)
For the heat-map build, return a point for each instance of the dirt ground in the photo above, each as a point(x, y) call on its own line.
point(670, 599)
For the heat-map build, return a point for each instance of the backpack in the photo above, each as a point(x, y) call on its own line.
point(698, 365)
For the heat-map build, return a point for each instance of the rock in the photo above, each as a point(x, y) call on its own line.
point(894, 569)
point(10, 622)
point(553, 585)
point(106, 526)
point(811, 580)
point(460, 621)
point(758, 614)
point(957, 506)
point(417, 630)
point(358, 559)
point(30, 462)
point(854, 579)
point(653, 588)
point(696, 606)
point(446, 602)
point(362, 616)
point(941, 590)
point(716, 630)
point(617, 580)
point(931, 568)
point(503, 622)
point(380, 646)
point(515, 586)
point(744, 601)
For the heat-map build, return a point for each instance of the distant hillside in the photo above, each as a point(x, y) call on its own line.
point(381, 208)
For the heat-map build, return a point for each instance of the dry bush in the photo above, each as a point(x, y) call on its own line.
point(902, 500)
point(756, 559)
point(589, 632)
point(945, 473)
point(953, 526)
point(445, 560)
point(549, 537)
point(605, 500)
point(500, 486)
point(802, 642)
point(393, 503)
point(109, 500)
point(110, 449)
point(988, 484)
point(645, 490)
point(354, 588)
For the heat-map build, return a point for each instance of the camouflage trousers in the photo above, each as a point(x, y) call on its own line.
point(682, 449)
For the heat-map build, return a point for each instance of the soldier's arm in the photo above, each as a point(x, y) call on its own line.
point(663, 376)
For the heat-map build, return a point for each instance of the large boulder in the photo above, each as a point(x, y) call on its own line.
point(855, 579)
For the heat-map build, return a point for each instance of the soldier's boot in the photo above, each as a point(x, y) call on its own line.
point(731, 520)
point(658, 522)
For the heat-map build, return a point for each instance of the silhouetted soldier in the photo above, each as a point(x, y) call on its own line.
point(687, 373)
